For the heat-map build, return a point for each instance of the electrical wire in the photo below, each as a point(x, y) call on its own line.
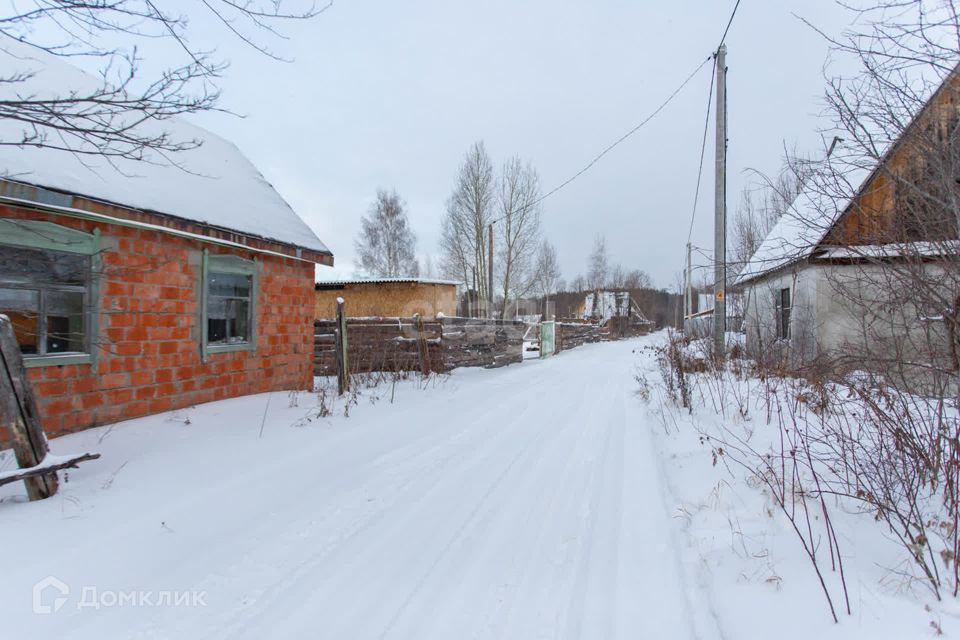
point(706, 124)
point(729, 22)
point(703, 149)
point(611, 146)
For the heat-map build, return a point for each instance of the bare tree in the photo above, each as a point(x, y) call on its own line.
point(598, 269)
point(464, 228)
point(578, 284)
point(617, 278)
point(115, 114)
point(891, 265)
point(547, 271)
point(598, 264)
point(518, 230)
point(428, 270)
point(386, 245)
point(762, 203)
point(637, 279)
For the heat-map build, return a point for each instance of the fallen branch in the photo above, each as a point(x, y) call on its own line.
point(50, 464)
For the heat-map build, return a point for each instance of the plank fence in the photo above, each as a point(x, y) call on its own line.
point(414, 344)
point(437, 345)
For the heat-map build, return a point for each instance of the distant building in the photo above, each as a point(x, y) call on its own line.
point(617, 310)
point(387, 297)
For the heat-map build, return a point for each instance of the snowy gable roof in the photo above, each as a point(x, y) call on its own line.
point(826, 195)
point(216, 186)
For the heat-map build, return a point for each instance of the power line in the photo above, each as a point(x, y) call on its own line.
point(610, 147)
point(729, 22)
point(703, 149)
point(706, 124)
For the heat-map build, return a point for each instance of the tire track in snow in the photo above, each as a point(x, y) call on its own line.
point(420, 481)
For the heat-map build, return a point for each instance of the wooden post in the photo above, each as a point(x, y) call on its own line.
point(343, 362)
point(423, 349)
point(18, 413)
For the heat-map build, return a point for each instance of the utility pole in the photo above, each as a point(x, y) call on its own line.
point(720, 203)
point(688, 291)
point(490, 268)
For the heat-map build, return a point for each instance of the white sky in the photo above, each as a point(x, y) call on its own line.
point(392, 94)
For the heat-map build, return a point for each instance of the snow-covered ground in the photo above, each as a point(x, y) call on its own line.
point(541, 500)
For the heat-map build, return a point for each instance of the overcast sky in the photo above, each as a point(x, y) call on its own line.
point(390, 94)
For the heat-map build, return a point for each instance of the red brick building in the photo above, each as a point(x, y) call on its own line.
point(122, 312)
point(142, 286)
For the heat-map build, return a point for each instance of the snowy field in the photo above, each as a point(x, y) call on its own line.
point(542, 500)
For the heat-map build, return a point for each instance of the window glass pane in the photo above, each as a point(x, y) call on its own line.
point(22, 265)
point(229, 284)
point(65, 326)
point(22, 306)
point(228, 321)
point(239, 328)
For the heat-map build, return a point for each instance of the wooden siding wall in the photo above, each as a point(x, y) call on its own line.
point(872, 216)
point(388, 299)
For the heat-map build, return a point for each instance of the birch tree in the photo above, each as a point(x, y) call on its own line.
point(386, 246)
point(547, 271)
point(598, 264)
point(518, 230)
point(470, 209)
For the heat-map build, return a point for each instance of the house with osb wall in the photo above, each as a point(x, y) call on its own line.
point(139, 287)
point(387, 297)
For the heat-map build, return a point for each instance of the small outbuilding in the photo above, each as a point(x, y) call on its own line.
point(387, 297)
point(141, 287)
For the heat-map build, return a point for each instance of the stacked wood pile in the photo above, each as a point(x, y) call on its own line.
point(572, 334)
point(478, 342)
point(396, 344)
point(379, 344)
point(626, 327)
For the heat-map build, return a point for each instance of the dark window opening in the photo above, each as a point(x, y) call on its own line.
point(44, 293)
point(229, 306)
point(783, 306)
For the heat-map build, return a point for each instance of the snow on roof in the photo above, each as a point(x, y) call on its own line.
point(922, 249)
point(385, 281)
point(826, 196)
point(217, 185)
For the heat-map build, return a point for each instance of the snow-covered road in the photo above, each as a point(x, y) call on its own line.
point(524, 503)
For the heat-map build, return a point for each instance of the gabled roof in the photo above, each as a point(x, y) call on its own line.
point(216, 186)
point(337, 283)
point(826, 197)
point(811, 216)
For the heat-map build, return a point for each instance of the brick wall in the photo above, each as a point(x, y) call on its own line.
point(148, 343)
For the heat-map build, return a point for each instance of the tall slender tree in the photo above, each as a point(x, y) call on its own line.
point(386, 246)
point(518, 229)
point(547, 271)
point(470, 209)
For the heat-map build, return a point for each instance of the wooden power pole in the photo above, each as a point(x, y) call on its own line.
point(720, 204)
point(688, 290)
point(490, 268)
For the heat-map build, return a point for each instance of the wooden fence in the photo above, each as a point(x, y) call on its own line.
point(443, 344)
point(401, 344)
